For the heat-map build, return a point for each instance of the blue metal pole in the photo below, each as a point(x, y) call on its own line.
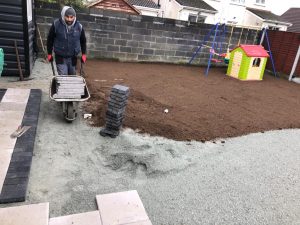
point(213, 45)
point(199, 48)
point(271, 56)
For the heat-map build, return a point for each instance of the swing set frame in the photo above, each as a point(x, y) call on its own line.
point(219, 31)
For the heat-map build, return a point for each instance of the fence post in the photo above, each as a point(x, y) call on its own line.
point(295, 64)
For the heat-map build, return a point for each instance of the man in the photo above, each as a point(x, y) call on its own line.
point(66, 38)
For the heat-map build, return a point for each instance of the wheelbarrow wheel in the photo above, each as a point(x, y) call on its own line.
point(71, 113)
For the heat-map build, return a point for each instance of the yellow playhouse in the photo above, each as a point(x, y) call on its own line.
point(247, 62)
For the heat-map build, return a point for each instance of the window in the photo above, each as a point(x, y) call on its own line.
point(192, 18)
point(260, 2)
point(201, 19)
point(273, 28)
point(239, 1)
point(256, 62)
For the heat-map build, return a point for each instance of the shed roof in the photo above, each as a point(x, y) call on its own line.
point(254, 50)
point(144, 3)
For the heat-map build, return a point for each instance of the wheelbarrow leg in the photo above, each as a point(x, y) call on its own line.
point(70, 110)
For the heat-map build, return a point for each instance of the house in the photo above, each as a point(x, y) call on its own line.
point(248, 13)
point(292, 16)
point(115, 5)
point(146, 7)
point(263, 18)
point(187, 10)
point(247, 62)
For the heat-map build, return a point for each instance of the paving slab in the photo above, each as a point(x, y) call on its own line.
point(121, 208)
point(146, 222)
point(88, 218)
point(6, 142)
point(12, 106)
point(5, 156)
point(35, 214)
point(11, 115)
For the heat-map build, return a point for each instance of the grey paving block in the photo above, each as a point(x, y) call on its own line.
point(14, 181)
point(15, 175)
point(118, 98)
point(117, 106)
point(105, 132)
point(120, 88)
point(115, 112)
point(13, 193)
point(2, 93)
point(117, 102)
point(56, 96)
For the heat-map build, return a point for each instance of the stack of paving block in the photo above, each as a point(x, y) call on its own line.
point(71, 87)
point(115, 111)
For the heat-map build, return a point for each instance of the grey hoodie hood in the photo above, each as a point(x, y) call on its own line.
point(63, 11)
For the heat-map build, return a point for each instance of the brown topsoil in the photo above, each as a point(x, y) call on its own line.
point(200, 108)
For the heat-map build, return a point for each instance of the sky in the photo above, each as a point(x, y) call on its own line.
point(279, 7)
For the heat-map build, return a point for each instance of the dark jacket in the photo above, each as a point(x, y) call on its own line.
point(66, 43)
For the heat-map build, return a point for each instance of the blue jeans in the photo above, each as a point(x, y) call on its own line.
point(66, 68)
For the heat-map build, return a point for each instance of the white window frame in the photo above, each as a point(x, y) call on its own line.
point(260, 2)
point(240, 2)
point(193, 15)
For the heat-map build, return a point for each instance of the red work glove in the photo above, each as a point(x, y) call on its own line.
point(83, 58)
point(50, 58)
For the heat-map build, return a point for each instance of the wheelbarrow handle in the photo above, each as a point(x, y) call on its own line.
point(81, 69)
point(52, 66)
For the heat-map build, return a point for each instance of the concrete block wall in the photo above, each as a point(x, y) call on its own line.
point(127, 37)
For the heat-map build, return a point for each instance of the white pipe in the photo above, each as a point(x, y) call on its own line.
point(295, 64)
point(263, 37)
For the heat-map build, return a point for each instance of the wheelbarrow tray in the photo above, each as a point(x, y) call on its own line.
point(53, 84)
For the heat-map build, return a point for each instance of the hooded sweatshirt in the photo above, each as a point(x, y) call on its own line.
point(63, 11)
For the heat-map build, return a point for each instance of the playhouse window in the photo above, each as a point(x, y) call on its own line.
point(256, 62)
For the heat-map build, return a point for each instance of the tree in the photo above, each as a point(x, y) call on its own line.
point(74, 3)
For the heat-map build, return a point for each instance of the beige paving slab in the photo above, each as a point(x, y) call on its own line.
point(7, 127)
point(16, 95)
point(121, 208)
point(6, 142)
point(15, 98)
point(88, 218)
point(11, 115)
point(146, 222)
point(5, 157)
point(12, 106)
point(35, 214)
point(17, 91)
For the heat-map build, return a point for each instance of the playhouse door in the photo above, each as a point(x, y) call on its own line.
point(236, 64)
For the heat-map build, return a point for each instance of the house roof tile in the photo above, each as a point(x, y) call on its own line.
point(292, 16)
point(196, 4)
point(266, 15)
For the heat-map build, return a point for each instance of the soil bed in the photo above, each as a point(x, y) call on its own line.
point(200, 108)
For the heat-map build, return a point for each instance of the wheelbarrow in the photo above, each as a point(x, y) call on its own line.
point(69, 104)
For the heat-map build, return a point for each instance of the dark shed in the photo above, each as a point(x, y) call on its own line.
point(17, 24)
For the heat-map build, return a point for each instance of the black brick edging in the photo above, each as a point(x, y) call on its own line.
point(16, 180)
point(2, 93)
